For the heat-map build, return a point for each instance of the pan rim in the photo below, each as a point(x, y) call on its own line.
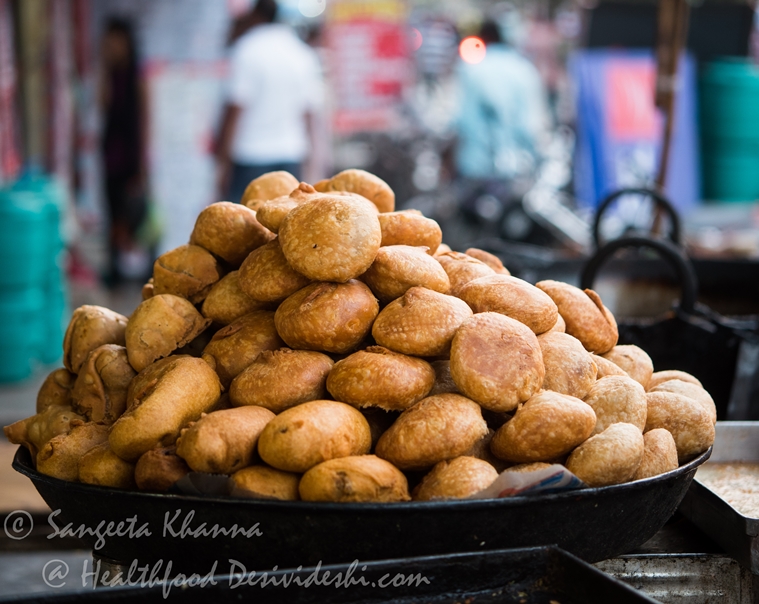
point(23, 467)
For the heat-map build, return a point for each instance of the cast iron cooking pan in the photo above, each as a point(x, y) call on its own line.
point(593, 523)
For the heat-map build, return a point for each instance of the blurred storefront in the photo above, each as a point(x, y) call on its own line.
point(391, 68)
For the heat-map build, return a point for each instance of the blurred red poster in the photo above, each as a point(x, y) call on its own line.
point(369, 62)
point(630, 100)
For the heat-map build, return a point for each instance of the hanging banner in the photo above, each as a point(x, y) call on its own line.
point(370, 65)
point(10, 160)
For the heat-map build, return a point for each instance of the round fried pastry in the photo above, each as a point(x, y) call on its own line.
point(236, 346)
point(267, 277)
point(634, 360)
point(178, 391)
point(397, 268)
point(100, 390)
point(691, 390)
point(586, 317)
point(334, 317)
point(280, 379)
point(261, 481)
point(511, 297)
point(422, 322)
point(378, 377)
point(189, 271)
point(229, 231)
point(159, 326)
point(496, 361)
point(689, 423)
point(569, 367)
point(457, 478)
point(33, 432)
point(301, 437)
point(102, 467)
point(273, 212)
point(331, 238)
point(547, 426)
point(226, 302)
point(659, 454)
point(148, 290)
point(360, 478)
point(491, 260)
point(461, 269)
point(90, 327)
point(267, 186)
point(410, 227)
point(618, 399)
point(56, 389)
point(59, 457)
point(610, 457)
point(223, 442)
point(659, 377)
point(363, 183)
point(437, 428)
point(158, 469)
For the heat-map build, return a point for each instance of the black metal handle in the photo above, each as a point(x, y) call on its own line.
point(669, 251)
point(658, 197)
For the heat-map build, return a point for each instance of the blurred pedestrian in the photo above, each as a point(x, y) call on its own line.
point(273, 91)
point(123, 147)
point(503, 112)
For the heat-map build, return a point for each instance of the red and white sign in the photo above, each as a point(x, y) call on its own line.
point(369, 62)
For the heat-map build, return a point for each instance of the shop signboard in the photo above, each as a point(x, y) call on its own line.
point(369, 63)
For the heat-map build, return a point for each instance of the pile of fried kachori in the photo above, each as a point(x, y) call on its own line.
point(337, 350)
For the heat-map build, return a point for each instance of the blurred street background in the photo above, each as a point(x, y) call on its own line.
point(508, 122)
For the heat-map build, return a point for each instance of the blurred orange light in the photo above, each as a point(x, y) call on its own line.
point(472, 50)
point(416, 39)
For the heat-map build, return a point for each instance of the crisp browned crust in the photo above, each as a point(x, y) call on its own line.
point(570, 369)
point(280, 379)
point(267, 186)
point(511, 297)
point(496, 361)
point(547, 426)
point(90, 327)
point(334, 317)
point(230, 231)
point(331, 238)
point(586, 317)
point(610, 457)
point(266, 275)
point(189, 271)
point(301, 437)
point(410, 227)
point(223, 442)
point(455, 479)
point(437, 428)
point(378, 377)
point(360, 478)
point(363, 183)
point(397, 268)
point(422, 322)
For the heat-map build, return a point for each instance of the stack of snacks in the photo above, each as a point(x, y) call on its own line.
point(311, 343)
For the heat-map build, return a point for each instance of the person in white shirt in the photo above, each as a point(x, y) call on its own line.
point(273, 91)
